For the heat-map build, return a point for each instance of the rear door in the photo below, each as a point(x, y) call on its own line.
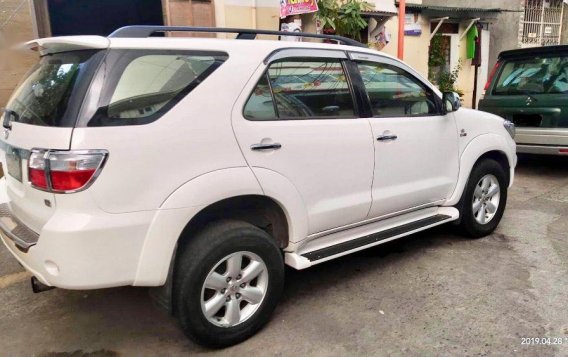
point(532, 92)
point(301, 122)
point(40, 115)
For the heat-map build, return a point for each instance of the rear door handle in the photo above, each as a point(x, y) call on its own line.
point(387, 137)
point(271, 146)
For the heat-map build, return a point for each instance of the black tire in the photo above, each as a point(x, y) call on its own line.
point(468, 225)
point(196, 260)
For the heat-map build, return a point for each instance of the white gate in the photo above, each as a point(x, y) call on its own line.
point(542, 23)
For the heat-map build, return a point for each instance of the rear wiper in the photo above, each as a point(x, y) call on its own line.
point(8, 115)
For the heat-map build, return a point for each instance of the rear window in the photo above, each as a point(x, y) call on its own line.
point(51, 92)
point(537, 75)
point(140, 86)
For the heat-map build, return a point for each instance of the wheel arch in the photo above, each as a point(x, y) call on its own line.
point(261, 211)
point(485, 146)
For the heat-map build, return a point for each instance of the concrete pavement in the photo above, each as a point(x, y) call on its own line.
point(430, 294)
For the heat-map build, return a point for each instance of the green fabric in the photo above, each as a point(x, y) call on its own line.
point(472, 35)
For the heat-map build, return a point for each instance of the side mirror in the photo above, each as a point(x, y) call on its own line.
point(452, 101)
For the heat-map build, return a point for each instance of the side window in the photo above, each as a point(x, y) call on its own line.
point(143, 86)
point(260, 105)
point(301, 88)
point(395, 93)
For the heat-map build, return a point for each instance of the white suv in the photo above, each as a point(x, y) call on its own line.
point(204, 166)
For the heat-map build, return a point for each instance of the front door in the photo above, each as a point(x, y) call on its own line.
point(300, 122)
point(416, 145)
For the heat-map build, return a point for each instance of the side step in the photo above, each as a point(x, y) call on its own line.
point(373, 236)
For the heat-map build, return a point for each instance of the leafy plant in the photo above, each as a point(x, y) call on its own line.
point(342, 17)
point(447, 80)
point(438, 71)
point(328, 14)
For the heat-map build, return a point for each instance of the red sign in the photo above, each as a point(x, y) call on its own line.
point(296, 7)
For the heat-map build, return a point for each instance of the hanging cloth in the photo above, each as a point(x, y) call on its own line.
point(472, 35)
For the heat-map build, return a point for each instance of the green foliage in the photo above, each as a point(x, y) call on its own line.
point(436, 55)
point(447, 80)
point(328, 13)
point(437, 63)
point(343, 17)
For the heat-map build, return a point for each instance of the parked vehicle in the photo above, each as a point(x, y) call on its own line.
point(204, 166)
point(530, 88)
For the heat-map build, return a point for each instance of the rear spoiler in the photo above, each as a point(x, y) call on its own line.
point(52, 45)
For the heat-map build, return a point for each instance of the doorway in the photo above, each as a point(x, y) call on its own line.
point(87, 17)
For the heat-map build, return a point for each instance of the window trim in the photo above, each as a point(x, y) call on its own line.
point(438, 101)
point(341, 59)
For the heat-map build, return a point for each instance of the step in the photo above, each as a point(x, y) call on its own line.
point(378, 234)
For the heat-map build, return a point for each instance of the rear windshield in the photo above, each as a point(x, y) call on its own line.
point(140, 85)
point(46, 96)
point(537, 75)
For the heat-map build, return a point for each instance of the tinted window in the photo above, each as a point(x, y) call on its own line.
point(302, 88)
point(533, 76)
point(395, 93)
point(45, 96)
point(260, 105)
point(142, 86)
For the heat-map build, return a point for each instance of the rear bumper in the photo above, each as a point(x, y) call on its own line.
point(87, 250)
point(542, 149)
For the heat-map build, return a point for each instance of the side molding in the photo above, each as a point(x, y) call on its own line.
point(476, 148)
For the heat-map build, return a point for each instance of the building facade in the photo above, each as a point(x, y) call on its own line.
point(501, 25)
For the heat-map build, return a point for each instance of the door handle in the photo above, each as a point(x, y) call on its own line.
point(387, 137)
point(272, 146)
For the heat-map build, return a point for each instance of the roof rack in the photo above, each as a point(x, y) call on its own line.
point(242, 34)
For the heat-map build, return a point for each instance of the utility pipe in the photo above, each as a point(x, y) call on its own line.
point(401, 21)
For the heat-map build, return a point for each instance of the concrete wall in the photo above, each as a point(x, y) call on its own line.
point(243, 14)
point(504, 31)
point(17, 27)
point(415, 47)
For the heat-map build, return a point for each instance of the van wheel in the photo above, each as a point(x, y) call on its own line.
point(228, 280)
point(484, 199)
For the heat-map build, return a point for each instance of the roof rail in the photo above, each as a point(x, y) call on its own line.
point(242, 34)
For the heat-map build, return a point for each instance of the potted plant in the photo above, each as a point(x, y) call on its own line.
point(342, 17)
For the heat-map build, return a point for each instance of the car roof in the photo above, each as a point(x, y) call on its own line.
point(253, 48)
point(534, 51)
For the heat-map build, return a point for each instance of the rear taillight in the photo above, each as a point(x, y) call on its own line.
point(491, 75)
point(64, 171)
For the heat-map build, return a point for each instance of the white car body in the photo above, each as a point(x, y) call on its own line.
point(332, 180)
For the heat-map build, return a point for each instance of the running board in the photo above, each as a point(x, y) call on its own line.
point(306, 259)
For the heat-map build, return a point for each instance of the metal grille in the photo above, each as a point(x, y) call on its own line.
point(542, 23)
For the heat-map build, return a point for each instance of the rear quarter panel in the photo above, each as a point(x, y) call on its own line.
point(147, 163)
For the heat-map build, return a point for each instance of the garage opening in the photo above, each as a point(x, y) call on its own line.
point(88, 17)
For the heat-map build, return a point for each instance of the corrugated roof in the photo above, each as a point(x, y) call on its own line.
point(449, 8)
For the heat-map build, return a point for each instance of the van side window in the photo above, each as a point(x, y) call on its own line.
point(142, 86)
point(302, 88)
point(395, 93)
point(260, 105)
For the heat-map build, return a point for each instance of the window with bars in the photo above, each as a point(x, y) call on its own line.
point(542, 23)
